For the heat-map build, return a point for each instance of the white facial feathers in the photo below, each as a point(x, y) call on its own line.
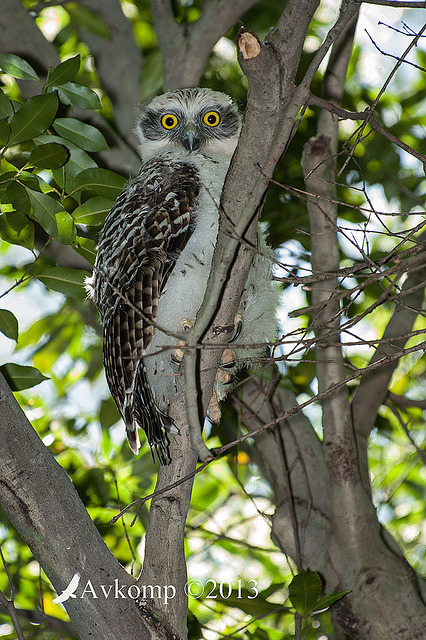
point(189, 121)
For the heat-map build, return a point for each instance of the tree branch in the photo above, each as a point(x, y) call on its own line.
point(186, 48)
point(318, 164)
point(368, 396)
point(38, 617)
point(58, 529)
point(164, 558)
point(21, 36)
point(119, 74)
point(366, 115)
point(301, 489)
point(270, 99)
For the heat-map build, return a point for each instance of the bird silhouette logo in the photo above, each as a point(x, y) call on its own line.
point(69, 592)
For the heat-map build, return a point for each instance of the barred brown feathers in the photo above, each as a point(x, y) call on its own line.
point(143, 234)
point(155, 253)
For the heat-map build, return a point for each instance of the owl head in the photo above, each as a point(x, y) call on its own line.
point(188, 121)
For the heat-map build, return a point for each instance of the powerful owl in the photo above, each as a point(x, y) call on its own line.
point(154, 258)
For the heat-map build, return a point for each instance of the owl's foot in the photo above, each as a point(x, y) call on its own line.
point(227, 363)
point(238, 325)
point(224, 377)
point(177, 354)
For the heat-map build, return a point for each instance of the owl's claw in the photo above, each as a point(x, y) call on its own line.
point(238, 325)
point(227, 360)
point(177, 354)
point(186, 324)
point(214, 413)
point(224, 377)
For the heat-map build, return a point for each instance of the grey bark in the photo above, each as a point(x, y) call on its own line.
point(164, 542)
point(44, 506)
point(384, 601)
point(324, 514)
point(359, 555)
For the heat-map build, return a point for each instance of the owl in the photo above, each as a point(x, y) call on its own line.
point(154, 258)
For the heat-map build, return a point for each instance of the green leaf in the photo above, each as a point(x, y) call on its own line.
point(6, 109)
point(34, 117)
point(82, 134)
point(8, 324)
point(304, 591)
point(92, 212)
point(19, 377)
point(88, 19)
point(102, 182)
point(29, 180)
point(5, 179)
point(18, 197)
point(51, 215)
point(48, 156)
point(15, 228)
point(67, 232)
point(86, 247)
point(44, 209)
point(17, 67)
point(78, 160)
point(64, 72)
point(79, 96)
point(70, 282)
point(4, 132)
point(243, 599)
point(328, 600)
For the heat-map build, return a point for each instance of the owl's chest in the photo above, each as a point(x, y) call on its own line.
point(185, 288)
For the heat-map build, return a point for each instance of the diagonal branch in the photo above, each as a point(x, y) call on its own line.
point(368, 397)
point(58, 529)
point(374, 124)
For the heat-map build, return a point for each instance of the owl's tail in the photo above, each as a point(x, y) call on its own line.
point(142, 412)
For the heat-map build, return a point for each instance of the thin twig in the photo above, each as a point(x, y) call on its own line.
point(365, 116)
point(403, 424)
point(220, 451)
point(9, 603)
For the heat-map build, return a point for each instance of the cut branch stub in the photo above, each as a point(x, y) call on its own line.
point(248, 44)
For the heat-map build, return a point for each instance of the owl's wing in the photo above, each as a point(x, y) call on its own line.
point(143, 235)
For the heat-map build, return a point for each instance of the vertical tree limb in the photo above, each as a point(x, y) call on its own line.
point(120, 73)
point(164, 558)
point(355, 525)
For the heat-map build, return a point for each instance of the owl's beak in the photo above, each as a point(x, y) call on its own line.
point(190, 140)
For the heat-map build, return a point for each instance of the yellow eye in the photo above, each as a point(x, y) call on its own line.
point(169, 121)
point(212, 118)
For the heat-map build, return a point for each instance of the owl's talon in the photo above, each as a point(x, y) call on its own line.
point(214, 413)
point(177, 354)
point(224, 377)
point(228, 359)
point(228, 365)
point(186, 324)
point(238, 325)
